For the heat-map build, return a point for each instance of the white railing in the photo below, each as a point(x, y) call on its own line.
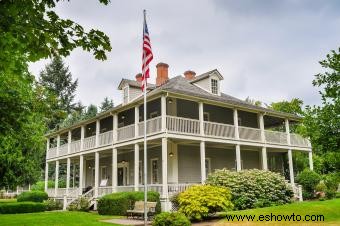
point(63, 149)
point(275, 137)
point(152, 126)
point(152, 187)
point(73, 192)
point(125, 188)
point(298, 140)
point(75, 146)
point(61, 192)
point(247, 133)
point(177, 188)
point(126, 132)
point(52, 152)
point(105, 190)
point(106, 138)
point(182, 125)
point(219, 130)
point(89, 142)
point(50, 192)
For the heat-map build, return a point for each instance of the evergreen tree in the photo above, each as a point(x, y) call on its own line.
point(91, 111)
point(106, 104)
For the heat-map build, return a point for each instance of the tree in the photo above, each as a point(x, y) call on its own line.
point(90, 112)
point(106, 104)
point(294, 106)
point(57, 79)
point(253, 101)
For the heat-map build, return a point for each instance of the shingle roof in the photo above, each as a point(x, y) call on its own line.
point(204, 75)
point(134, 83)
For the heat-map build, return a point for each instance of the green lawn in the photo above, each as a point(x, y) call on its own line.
point(54, 219)
point(330, 209)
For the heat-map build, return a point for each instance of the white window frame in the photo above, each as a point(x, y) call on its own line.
point(217, 86)
point(126, 173)
point(101, 173)
point(152, 173)
point(207, 169)
point(126, 98)
point(206, 114)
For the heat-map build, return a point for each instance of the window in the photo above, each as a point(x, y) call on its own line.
point(103, 173)
point(207, 166)
point(125, 94)
point(206, 116)
point(154, 171)
point(141, 168)
point(214, 86)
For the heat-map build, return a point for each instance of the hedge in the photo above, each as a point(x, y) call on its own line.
point(171, 219)
point(21, 207)
point(32, 196)
point(119, 203)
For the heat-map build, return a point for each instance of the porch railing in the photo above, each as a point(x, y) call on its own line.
point(52, 152)
point(105, 138)
point(75, 146)
point(126, 132)
point(275, 137)
point(298, 140)
point(153, 125)
point(177, 188)
point(247, 133)
point(182, 125)
point(60, 192)
point(50, 192)
point(125, 188)
point(89, 142)
point(105, 190)
point(219, 130)
point(152, 187)
point(63, 149)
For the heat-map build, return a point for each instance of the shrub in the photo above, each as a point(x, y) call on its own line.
point(21, 207)
point(201, 200)
point(81, 204)
point(332, 180)
point(171, 219)
point(308, 179)
point(53, 205)
point(330, 194)
point(118, 203)
point(33, 196)
point(249, 187)
point(40, 185)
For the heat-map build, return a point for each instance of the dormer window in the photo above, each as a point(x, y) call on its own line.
point(214, 86)
point(126, 95)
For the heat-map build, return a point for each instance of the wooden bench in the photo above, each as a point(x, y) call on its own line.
point(138, 210)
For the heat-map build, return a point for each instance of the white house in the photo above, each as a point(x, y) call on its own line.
point(192, 129)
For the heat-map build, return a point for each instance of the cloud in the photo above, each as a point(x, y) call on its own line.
point(268, 50)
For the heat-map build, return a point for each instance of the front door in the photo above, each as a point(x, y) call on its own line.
point(120, 176)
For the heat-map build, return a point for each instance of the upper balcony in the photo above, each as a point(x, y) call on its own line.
point(180, 117)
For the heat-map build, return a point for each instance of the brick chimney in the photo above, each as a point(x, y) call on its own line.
point(162, 73)
point(139, 77)
point(189, 75)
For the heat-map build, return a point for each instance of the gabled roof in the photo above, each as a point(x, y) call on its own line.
point(206, 75)
point(133, 83)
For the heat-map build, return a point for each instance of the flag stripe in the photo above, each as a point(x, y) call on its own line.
point(147, 55)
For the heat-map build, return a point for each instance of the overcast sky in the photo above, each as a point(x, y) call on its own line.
point(268, 50)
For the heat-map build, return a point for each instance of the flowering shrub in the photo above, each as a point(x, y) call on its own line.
point(253, 188)
point(308, 179)
point(201, 200)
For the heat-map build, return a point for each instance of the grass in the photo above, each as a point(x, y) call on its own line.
point(54, 218)
point(330, 209)
point(7, 200)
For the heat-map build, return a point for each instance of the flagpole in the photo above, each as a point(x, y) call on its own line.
point(145, 144)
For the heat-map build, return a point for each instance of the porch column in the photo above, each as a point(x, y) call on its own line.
point(201, 118)
point(96, 174)
point(46, 176)
point(264, 158)
point(81, 173)
point(287, 131)
point(47, 145)
point(136, 121)
point(163, 112)
point(290, 163)
point(310, 157)
point(114, 169)
point(68, 169)
point(237, 137)
point(136, 171)
point(82, 135)
point(165, 167)
point(56, 174)
point(97, 132)
point(58, 144)
point(238, 157)
point(202, 155)
point(115, 127)
point(261, 123)
point(69, 140)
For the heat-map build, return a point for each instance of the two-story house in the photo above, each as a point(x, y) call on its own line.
point(192, 129)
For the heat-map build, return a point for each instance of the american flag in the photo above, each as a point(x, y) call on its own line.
point(147, 54)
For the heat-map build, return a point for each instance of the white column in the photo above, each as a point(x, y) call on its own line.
point(201, 118)
point(114, 169)
point(238, 157)
point(236, 124)
point(96, 174)
point(310, 157)
point(163, 112)
point(202, 155)
point(136, 171)
point(264, 158)
point(82, 135)
point(68, 171)
point(47, 144)
point(261, 122)
point(56, 178)
point(97, 132)
point(136, 121)
point(69, 140)
point(115, 127)
point(165, 167)
point(290, 163)
point(46, 176)
point(81, 173)
point(58, 144)
point(287, 131)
